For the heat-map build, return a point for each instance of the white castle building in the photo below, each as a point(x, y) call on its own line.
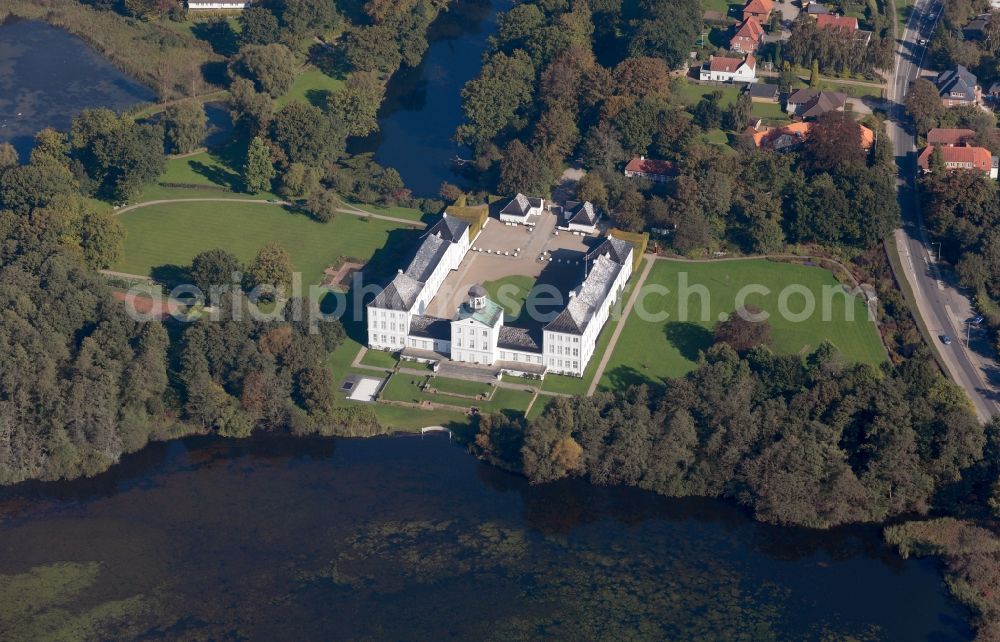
point(477, 333)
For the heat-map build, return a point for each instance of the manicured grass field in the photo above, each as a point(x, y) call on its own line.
point(650, 350)
point(380, 359)
point(406, 387)
point(311, 86)
point(460, 386)
point(217, 168)
point(396, 211)
point(171, 234)
point(511, 292)
point(690, 93)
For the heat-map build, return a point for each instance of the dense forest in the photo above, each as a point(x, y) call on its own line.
point(806, 441)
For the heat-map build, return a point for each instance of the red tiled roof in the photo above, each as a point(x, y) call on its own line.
point(766, 137)
point(758, 6)
point(979, 158)
point(943, 136)
point(750, 29)
point(651, 166)
point(830, 21)
point(729, 65)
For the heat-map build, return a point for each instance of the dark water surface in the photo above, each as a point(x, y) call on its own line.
point(423, 105)
point(403, 538)
point(48, 76)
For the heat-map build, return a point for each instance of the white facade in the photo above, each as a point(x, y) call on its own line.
point(396, 318)
point(729, 70)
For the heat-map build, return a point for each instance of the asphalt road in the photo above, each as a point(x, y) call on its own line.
point(942, 306)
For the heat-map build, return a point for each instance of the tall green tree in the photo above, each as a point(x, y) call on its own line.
point(258, 169)
point(271, 67)
point(184, 125)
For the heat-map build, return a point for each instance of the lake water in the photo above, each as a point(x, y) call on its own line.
point(48, 76)
point(423, 105)
point(409, 538)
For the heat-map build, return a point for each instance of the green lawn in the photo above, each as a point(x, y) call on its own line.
point(650, 350)
point(406, 387)
point(511, 292)
point(460, 386)
point(689, 93)
point(311, 86)
point(396, 211)
point(171, 234)
point(214, 169)
point(380, 359)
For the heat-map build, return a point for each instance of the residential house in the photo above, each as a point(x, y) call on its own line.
point(963, 157)
point(833, 21)
point(958, 87)
point(721, 69)
point(975, 29)
point(808, 104)
point(846, 24)
point(521, 208)
point(747, 37)
point(759, 9)
point(816, 9)
point(762, 92)
point(949, 137)
point(788, 137)
point(658, 171)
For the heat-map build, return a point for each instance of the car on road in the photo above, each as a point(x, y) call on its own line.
point(946, 339)
point(923, 42)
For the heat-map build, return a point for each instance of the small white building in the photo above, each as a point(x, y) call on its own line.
point(521, 208)
point(580, 217)
point(721, 69)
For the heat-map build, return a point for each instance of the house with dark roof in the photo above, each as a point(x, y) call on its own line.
point(521, 208)
point(747, 37)
point(949, 137)
point(723, 69)
point(960, 158)
point(658, 171)
point(758, 9)
point(809, 104)
point(958, 87)
point(762, 92)
point(816, 9)
point(580, 217)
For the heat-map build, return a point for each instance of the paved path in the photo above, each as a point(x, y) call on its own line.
point(939, 307)
point(621, 324)
point(259, 201)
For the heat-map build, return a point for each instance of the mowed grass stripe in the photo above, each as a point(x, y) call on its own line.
point(649, 351)
point(174, 233)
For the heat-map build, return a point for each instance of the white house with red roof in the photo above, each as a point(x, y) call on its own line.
point(722, 69)
point(658, 171)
